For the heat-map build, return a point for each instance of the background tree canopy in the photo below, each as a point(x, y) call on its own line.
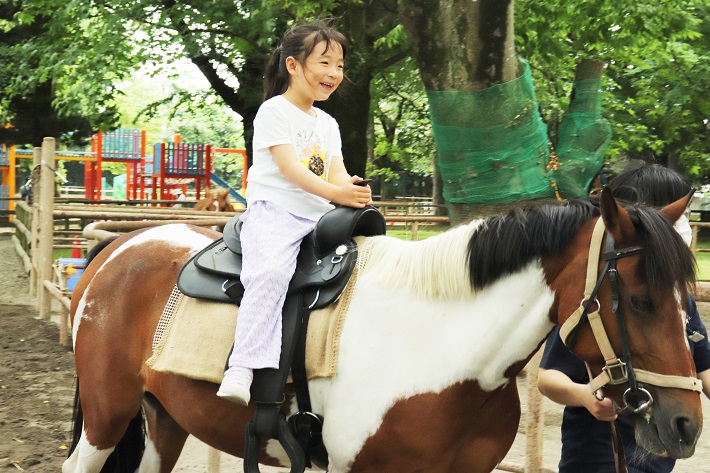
point(76, 58)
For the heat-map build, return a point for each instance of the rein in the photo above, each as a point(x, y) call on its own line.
point(616, 370)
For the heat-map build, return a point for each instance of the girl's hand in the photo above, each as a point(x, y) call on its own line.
point(350, 195)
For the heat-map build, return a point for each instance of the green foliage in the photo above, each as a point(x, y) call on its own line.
point(403, 138)
point(31, 106)
point(657, 55)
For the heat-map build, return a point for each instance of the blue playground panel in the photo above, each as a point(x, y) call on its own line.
point(185, 159)
point(4, 156)
point(222, 183)
point(123, 144)
point(79, 264)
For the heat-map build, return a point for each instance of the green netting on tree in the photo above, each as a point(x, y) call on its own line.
point(583, 138)
point(492, 144)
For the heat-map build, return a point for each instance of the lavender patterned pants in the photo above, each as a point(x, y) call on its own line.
point(271, 238)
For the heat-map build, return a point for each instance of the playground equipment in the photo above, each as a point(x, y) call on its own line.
point(173, 165)
point(8, 169)
point(7, 181)
point(123, 146)
point(238, 196)
point(176, 163)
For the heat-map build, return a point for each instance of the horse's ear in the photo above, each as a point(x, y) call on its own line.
point(616, 219)
point(675, 210)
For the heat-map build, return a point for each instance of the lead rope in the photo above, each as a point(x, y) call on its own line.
point(617, 444)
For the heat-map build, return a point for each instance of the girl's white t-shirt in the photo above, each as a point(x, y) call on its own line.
point(315, 139)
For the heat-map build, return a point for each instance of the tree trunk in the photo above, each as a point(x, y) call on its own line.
point(583, 135)
point(350, 105)
point(351, 109)
point(463, 45)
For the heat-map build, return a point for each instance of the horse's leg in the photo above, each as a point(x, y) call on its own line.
point(166, 438)
point(107, 417)
point(195, 406)
point(86, 457)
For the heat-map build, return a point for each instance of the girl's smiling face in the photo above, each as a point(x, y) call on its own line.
point(320, 74)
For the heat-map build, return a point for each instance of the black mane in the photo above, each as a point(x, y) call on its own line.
point(667, 260)
point(504, 245)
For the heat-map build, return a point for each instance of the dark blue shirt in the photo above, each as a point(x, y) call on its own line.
point(586, 441)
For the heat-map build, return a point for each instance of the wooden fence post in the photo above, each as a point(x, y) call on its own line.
point(34, 216)
point(534, 417)
point(46, 226)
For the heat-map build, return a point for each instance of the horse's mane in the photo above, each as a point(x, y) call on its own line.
point(432, 268)
point(505, 244)
point(479, 253)
point(667, 260)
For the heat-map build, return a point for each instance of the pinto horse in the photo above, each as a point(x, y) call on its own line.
point(435, 334)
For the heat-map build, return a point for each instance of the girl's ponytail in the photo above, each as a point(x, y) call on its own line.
point(276, 76)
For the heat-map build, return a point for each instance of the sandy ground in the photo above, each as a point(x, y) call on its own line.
point(37, 389)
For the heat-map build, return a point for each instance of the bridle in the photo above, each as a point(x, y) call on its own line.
point(636, 398)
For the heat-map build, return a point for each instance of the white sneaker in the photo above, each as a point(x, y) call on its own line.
point(235, 385)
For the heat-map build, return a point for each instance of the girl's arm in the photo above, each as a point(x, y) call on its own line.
point(340, 190)
point(338, 175)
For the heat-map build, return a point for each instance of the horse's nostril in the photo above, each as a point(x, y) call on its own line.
point(685, 429)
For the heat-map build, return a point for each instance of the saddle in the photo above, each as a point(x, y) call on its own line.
point(325, 263)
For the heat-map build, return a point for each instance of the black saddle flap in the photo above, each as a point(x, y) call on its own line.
point(217, 258)
point(194, 282)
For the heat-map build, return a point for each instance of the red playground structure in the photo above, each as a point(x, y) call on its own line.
point(162, 176)
point(175, 164)
point(123, 146)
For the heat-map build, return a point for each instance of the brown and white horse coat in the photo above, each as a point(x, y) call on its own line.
point(435, 334)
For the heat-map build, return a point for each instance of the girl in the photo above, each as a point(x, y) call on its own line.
point(297, 171)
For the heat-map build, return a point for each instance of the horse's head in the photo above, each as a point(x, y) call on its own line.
point(630, 325)
point(216, 200)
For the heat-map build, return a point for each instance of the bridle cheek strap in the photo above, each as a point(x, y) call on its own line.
point(590, 285)
point(615, 370)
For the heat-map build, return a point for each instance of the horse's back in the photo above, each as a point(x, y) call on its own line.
point(124, 289)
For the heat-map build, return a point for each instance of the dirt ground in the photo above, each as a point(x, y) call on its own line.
point(37, 392)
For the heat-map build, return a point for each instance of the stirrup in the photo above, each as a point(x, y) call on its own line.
point(273, 418)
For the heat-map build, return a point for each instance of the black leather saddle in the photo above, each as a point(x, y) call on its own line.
point(325, 261)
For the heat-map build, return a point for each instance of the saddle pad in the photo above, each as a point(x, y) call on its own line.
point(194, 336)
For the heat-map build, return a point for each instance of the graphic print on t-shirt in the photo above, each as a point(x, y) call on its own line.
point(312, 153)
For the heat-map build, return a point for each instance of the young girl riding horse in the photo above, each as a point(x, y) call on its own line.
point(298, 170)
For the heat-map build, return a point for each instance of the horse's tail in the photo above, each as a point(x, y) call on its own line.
point(98, 248)
point(126, 457)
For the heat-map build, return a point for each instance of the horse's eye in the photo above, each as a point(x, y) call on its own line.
point(641, 303)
